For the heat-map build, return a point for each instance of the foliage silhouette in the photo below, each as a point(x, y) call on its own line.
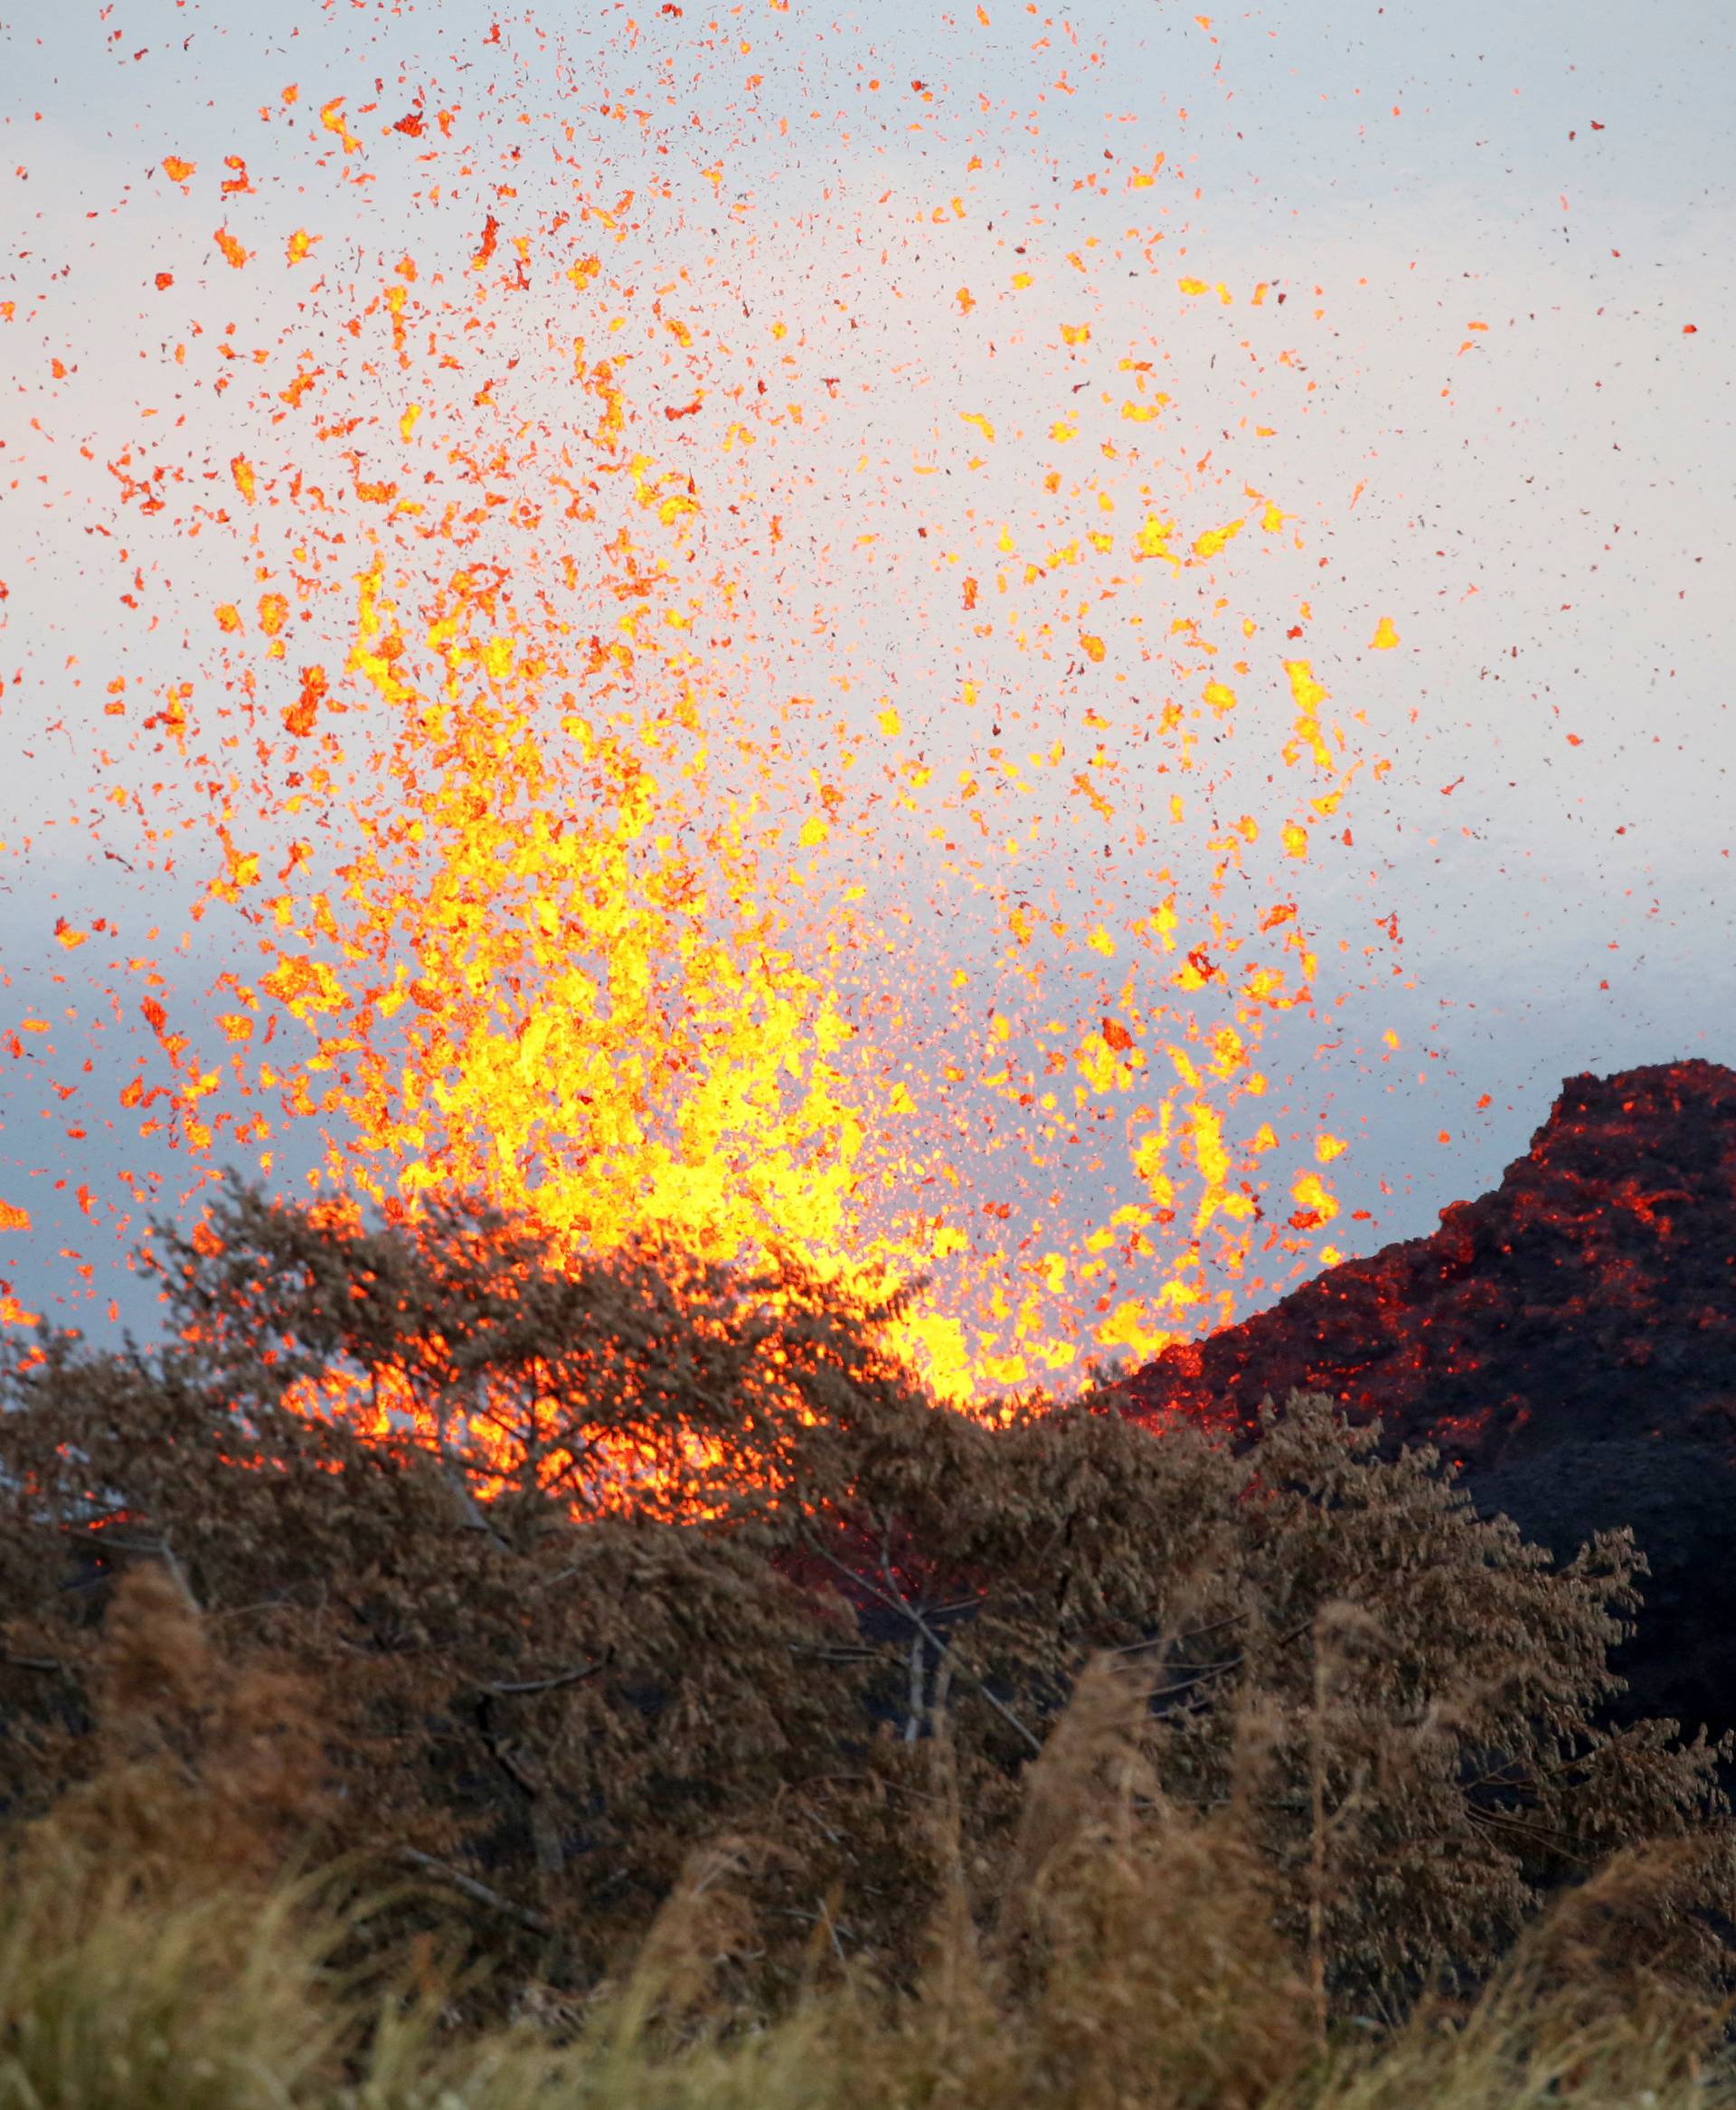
point(574, 1572)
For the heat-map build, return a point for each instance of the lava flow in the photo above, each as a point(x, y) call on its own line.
point(683, 685)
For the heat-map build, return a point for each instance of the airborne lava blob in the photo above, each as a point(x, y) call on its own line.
point(698, 678)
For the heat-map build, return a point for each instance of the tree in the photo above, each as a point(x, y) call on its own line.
point(578, 1566)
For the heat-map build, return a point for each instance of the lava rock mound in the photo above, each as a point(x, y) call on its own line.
point(1570, 1340)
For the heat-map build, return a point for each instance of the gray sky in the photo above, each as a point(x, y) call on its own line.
point(1541, 505)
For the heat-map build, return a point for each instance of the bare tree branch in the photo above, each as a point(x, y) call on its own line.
point(549, 1684)
point(898, 1602)
point(913, 1717)
point(479, 1893)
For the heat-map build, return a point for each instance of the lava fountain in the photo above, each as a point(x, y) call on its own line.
point(689, 670)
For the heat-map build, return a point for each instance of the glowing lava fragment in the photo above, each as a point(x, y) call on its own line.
point(536, 790)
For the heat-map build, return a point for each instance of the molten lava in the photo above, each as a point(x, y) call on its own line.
point(537, 759)
point(1590, 1297)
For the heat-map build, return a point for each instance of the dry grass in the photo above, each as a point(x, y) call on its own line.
point(1129, 1957)
point(1056, 1766)
point(112, 2000)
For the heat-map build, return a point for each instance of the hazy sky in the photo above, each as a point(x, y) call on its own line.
point(1502, 234)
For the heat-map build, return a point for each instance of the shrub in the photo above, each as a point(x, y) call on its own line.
point(577, 1570)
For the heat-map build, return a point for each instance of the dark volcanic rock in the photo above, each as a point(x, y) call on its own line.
point(1570, 1338)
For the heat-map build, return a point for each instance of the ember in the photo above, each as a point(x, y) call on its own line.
point(559, 837)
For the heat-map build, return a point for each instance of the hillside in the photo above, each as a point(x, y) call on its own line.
point(1569, 1338)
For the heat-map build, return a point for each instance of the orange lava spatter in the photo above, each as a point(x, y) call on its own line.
point(652, 760)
